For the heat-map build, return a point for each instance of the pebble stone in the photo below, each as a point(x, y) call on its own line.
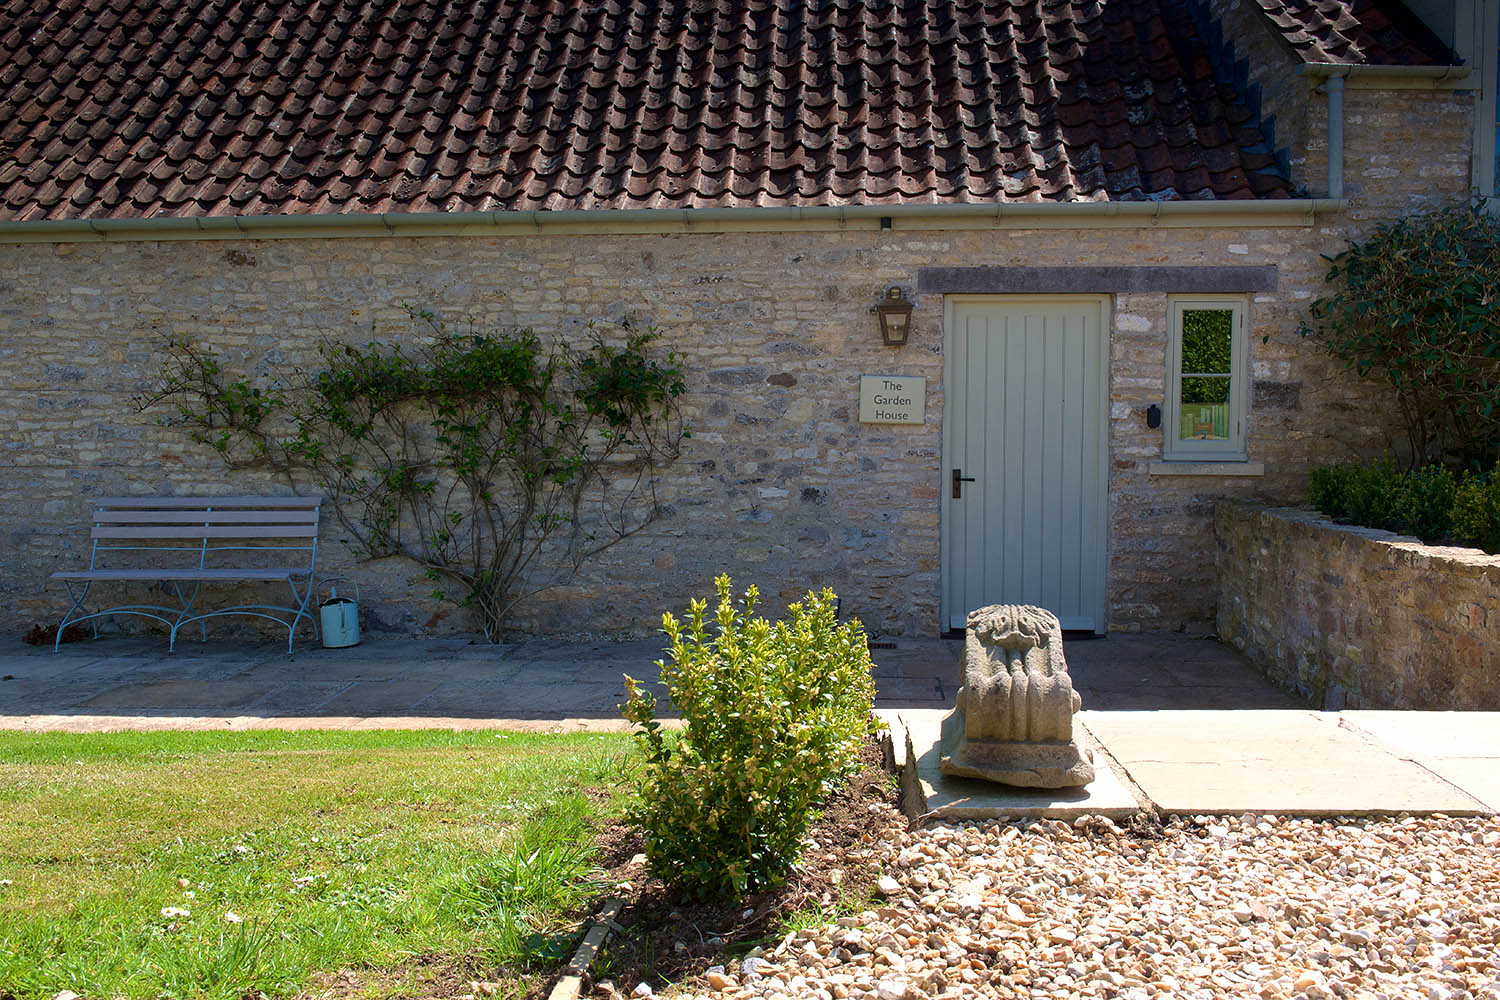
point(1255, 907)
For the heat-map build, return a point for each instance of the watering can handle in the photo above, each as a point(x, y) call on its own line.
point(329, 582)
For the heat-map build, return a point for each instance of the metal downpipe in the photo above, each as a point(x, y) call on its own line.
point(1334, 87)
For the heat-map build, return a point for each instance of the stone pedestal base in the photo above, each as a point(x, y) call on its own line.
point(1023, 765)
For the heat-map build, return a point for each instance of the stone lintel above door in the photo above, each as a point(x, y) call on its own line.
point(1095, 280)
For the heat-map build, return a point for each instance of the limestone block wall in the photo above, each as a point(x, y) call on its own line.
point(1358, 617)
point(1404, 150)
point(779, 485)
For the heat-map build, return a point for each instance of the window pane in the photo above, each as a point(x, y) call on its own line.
point(1205, 389)
point(1204, 409)
point(1206, 338)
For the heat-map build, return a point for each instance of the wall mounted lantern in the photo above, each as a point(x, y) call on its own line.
point(895, 317)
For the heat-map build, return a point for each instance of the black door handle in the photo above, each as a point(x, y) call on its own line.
point(958, 479)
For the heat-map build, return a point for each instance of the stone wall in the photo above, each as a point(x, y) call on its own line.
point(1404, 150)
point(1355, 617)
point(779, 485)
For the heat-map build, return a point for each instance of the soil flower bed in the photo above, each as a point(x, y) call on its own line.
point(665, 941)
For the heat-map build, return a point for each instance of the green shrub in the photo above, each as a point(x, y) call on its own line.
point(1424, 502)
point(1328, 489)
point(1361, 494)
point(775, 715)
point(1476, 512)
point(1417, 502)
point(1414, 305)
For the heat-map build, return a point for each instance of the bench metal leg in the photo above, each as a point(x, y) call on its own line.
point(301, 601)
point(68, 618)
point(184, 615)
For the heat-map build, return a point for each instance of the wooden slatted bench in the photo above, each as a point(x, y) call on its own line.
point(191, 541)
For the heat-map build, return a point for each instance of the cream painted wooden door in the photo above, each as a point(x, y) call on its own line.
point(1024, 478)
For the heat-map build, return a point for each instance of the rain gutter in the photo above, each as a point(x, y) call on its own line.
point(1268, 213)
point(1364, 77)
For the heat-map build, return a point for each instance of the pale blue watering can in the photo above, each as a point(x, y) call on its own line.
point(340, 617)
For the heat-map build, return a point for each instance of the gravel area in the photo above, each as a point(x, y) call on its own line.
point(1203, 907)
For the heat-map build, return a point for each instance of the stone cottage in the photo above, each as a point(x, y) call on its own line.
point(1108, 216)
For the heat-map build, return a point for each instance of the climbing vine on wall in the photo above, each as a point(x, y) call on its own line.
point(497, 461)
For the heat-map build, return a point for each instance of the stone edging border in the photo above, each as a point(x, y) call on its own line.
point(570, 983)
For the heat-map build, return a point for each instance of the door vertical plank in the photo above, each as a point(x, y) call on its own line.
point(1095, 455)
point(978, 459)
point(1071, 464)
point(1011, 514)
point(1057, 499)
point(1033, 419)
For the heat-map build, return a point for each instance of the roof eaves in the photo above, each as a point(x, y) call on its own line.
point(1269, 213)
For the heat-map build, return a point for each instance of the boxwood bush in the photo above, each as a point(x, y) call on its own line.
point(1430, 502)
point(775, 716)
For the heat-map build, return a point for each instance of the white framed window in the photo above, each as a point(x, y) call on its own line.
point(1207, 379)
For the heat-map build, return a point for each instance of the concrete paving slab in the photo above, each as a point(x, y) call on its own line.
point(1268, 761)
point(187, 696)
point(1415, 735)
point(947, 798)
point(1463, 748)
point(578, 698)
point(358, 669)
point(1143, 672)
point(1478, 776)
point(466, 670)
point(23, 696)
point(108, 671)
point(379, 698)
point(914, 690)
point(296, 698)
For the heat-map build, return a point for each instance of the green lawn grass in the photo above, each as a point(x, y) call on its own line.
point(292, 853)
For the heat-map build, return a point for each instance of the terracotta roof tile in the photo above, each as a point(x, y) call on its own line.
point(1358, 32)
point(219, 107)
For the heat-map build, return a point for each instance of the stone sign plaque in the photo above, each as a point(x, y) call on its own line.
point(892, 399)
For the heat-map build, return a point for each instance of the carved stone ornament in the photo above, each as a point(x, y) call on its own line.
point(1014, 720)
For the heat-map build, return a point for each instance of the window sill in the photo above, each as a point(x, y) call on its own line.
point(1187, 467)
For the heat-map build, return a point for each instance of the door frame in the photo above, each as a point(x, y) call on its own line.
point(951, 303)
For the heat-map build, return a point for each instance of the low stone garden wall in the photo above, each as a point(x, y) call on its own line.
point(1355, 617)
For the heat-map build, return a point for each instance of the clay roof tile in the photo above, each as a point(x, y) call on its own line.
point(1359, 32)
point(239, 106)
